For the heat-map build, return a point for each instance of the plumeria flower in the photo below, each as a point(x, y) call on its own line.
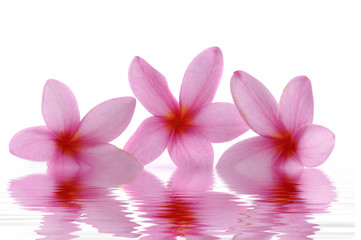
point(189, 127)
point(288, 138)
point(68, 143)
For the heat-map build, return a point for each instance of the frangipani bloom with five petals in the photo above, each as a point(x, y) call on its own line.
point(68, 143)
point(288, 138)
point(187, 128)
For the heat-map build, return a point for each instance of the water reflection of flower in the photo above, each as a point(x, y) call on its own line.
point(283, 203)
point(69, 199)
point(185, 207)
point(280, 204)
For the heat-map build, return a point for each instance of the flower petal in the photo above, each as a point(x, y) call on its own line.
point(101, 165)
point(149, 141)
point(151, 88)
point(290, 165)
point(111, 166)
point(107, 120)
point(60, 108)
point(191, 151)
point(244, 181)
point(35, 143)
point(314, 144)
point(220, 122)
point(251, 156)
point(296, 104)
point(256, 104)
point(67, 165)
point(201, 79)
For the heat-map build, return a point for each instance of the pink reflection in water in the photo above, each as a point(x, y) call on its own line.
point(283, 203)
point(73, 198)
point(185, 207)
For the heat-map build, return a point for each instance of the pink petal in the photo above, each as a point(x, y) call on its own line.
point(191, 151)
point(60, 108)
point(266, 183)
point(291, 165)
point(107, 120)
point(151, 88)
point(101, 165)
point(255, 103)
point(111, 166)
point(67, 165)
point(251, 156)
point(201, 79)
point(220, 122)
point(314, 144)
point(149, 141)
point(247, 181)
point(35, 143)
point(296, 104)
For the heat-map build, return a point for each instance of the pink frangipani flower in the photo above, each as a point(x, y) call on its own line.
point(189, 127)
point(288, 138)
point(68, 143)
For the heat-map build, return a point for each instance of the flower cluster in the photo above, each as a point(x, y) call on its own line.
point(288, 139)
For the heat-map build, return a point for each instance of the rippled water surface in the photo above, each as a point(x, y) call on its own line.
point(182, 205)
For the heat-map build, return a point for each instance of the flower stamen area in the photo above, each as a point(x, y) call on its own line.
point(68, 143)
point(179, 120)
point(285, 144)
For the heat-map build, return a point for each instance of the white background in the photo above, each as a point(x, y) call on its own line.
point(89, 45)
